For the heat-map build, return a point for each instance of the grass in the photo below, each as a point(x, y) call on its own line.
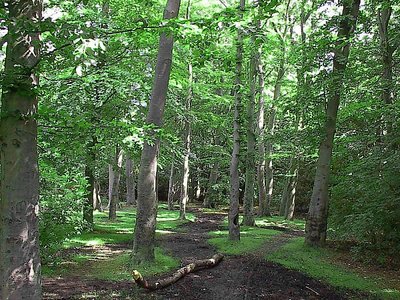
point(251, 238)
point(278, 221)
point(96, 264)
point(319, 263)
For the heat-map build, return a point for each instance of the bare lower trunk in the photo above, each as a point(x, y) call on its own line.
point(111, 176)
point(187, 132)
point(248, 215)
point(19, 181)
point(96, 197)
point(112, 212)
point(233, 216)
point(262, 192)
point(171, 188)
point(291, 190)
point(130, 182)
point(317, 218)
point(208, 201)
point(88, 205)
point(143, 245)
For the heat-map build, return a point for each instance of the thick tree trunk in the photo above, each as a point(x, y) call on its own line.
point(171, 188)
point(130, 182)
point(182, 272)
point(143, 246)
point(317, 218)
point(233, 216)
point(19, 185)
point(112, 212)
point(248, 214)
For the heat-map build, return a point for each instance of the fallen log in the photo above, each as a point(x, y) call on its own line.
point(180, 273)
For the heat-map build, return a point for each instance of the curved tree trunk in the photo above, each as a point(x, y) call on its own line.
point(19, 185)
point(317, 218)
point(143, 245)
point(233, 216)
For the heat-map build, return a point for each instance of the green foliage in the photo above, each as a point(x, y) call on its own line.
point(60, 214)
point(251, 239)
point(318, 263)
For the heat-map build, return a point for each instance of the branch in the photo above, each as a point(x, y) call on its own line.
point(182, 272)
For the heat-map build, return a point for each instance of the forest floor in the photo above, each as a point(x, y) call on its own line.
point(245, 276)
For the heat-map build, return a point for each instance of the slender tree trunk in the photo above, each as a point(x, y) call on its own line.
point(208, 202)
point(19, 181)
point(111, 177)
point(248, 215)
point(130, 182)
point(88, 204)
point(187, 132)
point(291, 189)
point(143, 246)
point(233, 216)
point(262, 191)
point(171, 188)
point(317, 219)
point(96, 197)
point(112, 212)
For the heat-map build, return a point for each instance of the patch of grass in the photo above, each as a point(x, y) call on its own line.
point(251, 238)
point(317, 262)
point(281, 222)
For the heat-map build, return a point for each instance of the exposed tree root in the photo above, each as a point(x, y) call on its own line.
point(182, 272)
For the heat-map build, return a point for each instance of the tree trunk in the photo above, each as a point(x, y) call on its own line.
point(88, 204)
point(19, 185)
point(269, 182)
point(112, 212)
point(96, 197)
point(262, 192)
point(248, 215)
point(291, 189)
point(171, 188)
point(233, 216)
point(130, 182)
point(143, 246)
point(187, 132)
point(111, 177)
point(317, 218)
point(208, 201)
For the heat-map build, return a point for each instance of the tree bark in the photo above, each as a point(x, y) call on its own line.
point(182, 272)
point(187, 133)
point(171, 188)
point(96, 197)
point(143, 246)
point(130, 182)
point(111, 177)
point(112, 212)
point(19, 182)
point(208, 202)
point(317, 218)
point(291, 189)
point(233, 216)
point(248, 214)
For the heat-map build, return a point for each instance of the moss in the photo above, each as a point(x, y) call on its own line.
point(318, 263)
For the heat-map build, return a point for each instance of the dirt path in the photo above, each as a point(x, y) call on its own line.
point(236, 277)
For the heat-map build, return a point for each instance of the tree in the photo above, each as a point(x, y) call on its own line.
point(317, 218)
point(143, 246)
point(19, 238)
point(233, 217)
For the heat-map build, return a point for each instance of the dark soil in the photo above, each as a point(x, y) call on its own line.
point(236, 277)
